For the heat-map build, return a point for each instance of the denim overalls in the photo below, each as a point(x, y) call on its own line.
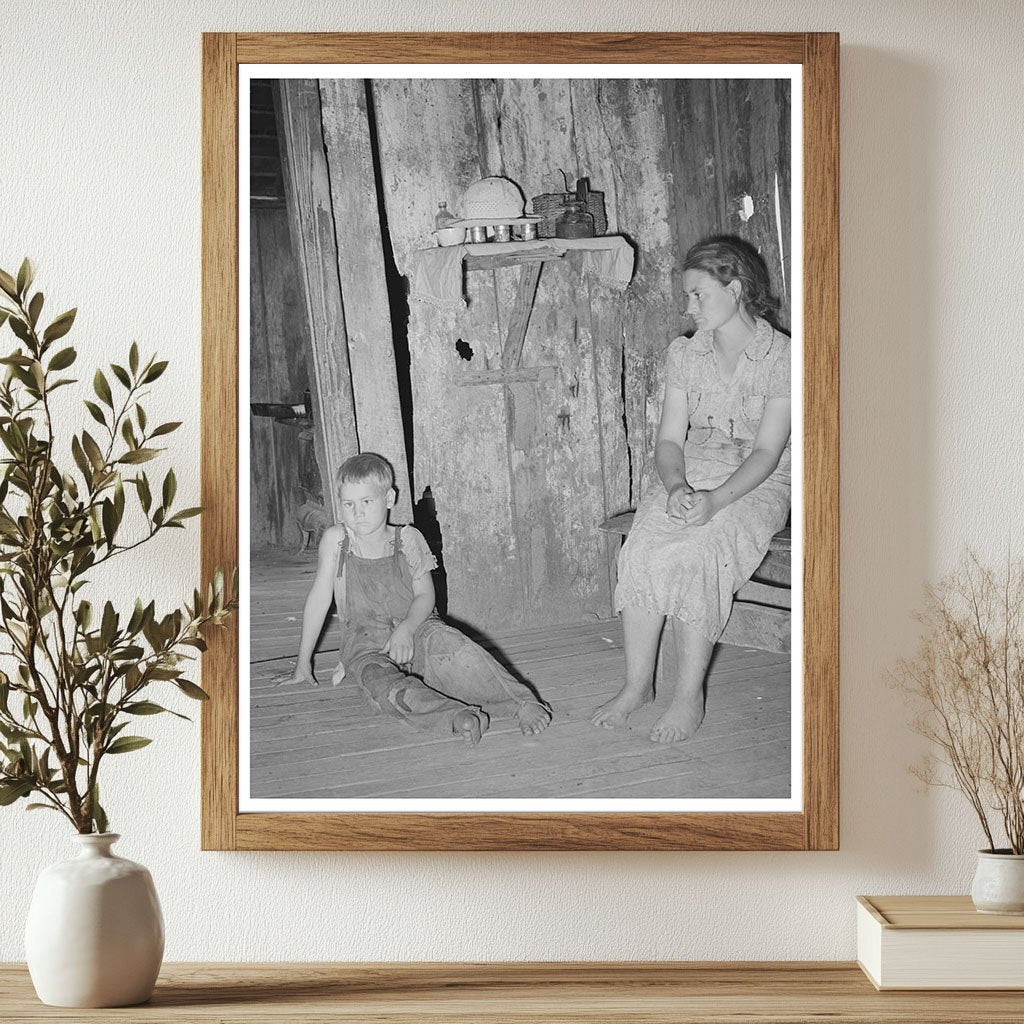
point(448, 673)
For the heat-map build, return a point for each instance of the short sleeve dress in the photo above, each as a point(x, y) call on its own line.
point(692, 572)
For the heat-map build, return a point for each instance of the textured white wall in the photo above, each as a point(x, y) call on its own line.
point(100, 183)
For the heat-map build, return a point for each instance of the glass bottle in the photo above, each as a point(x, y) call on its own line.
point(575, 222)
point(444, 217)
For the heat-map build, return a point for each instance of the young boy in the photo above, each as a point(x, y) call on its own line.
point(407, 661)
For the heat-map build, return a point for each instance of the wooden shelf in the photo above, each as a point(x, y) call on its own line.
point(659, 993)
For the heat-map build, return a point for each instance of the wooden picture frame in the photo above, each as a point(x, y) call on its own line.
point(816, 825)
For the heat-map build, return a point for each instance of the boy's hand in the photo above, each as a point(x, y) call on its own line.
point(400, 647)
point(303, 674)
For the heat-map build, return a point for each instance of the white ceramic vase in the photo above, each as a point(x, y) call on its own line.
point(999, 883)
point(95, 934)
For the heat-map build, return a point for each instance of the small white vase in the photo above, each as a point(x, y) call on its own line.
point(95, 934)
point(999, 882)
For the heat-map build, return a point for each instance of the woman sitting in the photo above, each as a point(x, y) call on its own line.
point(723, 462)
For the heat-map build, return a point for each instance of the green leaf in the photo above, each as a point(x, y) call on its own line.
point(102, 388)
point(133, 358)
point(108, 627)
point(16, 358)
point(60, 326)
point(170, 487)
point(79, 456)
point(15, 790)
point(41, 807)
point(138, 614)
point(119, 499)
point(121, 374)
point(20, 328)
point(12, 733)
point(154, 371)
point(63, 359)
point(4, 314)
point(165, 428)
point(92, 449)
point(95, 412)
point(139, 455)
point(99, 817)
point(128, 433)
point(168, 674)
point(185, 513)
point(140, 415)
point(130, 653)
point(126, 744)
point(109, 522)
point(8, 284)
point(191, 690)
point(145, 497)
point(96, 711)
point(34, 308)
point(144, 707)
point(26, 274)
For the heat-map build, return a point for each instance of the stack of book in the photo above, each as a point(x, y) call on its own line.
point(906, 942)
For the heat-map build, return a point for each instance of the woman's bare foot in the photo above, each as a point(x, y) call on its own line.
point(470, 724)
point(533, 718)
point(613, 715)
point(680, 722)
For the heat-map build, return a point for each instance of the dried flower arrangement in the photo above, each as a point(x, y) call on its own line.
point(968, 679)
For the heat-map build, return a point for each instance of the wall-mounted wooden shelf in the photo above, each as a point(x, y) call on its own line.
point(536, 993)
point(530, 258)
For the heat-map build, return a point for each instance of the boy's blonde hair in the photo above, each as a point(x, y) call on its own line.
point(367, 466)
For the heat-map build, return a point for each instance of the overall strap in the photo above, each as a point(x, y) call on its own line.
point(398, 544)
point(343, 547)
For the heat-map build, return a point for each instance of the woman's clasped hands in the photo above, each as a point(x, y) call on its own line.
point(693, 508)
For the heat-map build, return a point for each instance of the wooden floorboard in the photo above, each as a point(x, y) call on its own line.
point(327, 743)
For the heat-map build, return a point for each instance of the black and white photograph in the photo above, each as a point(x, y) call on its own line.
point(520, 438)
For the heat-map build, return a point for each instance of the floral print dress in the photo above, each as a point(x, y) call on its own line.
point(692, 572)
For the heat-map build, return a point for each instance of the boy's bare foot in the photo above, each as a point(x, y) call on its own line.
point(614, 713)
point(470, 724)
point(533, 718)
point(679, 722)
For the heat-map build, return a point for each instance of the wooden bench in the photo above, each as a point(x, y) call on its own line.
point(761, 611)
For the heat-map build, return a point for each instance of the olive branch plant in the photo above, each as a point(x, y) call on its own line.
point(967, 681)
point(79, 673)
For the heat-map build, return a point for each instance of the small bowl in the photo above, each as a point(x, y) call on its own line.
point(450, 236)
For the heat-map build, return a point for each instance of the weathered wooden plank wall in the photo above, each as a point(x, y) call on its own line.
point(725, 139)
point(278, 373)
point(311, 220)
point(429, 150)
point(522, 474)
point(357, 231)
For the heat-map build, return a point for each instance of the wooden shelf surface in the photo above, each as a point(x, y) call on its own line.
point(660, 993)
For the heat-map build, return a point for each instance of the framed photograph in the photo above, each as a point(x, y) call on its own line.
point(520, 419)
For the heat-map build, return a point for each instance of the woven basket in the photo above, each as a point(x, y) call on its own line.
point(551, 205)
